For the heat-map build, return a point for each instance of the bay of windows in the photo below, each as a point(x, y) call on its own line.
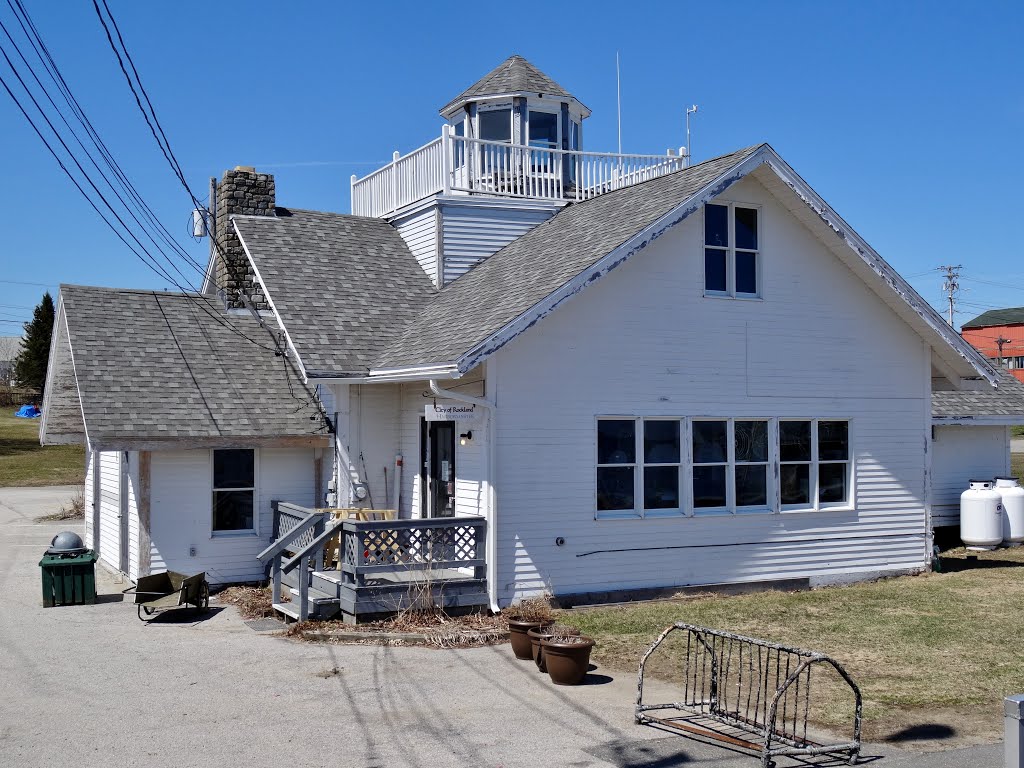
point(697, 466)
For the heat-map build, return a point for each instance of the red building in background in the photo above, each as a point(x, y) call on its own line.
point(999, 333)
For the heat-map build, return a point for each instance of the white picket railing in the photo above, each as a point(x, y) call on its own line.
point(474, 166)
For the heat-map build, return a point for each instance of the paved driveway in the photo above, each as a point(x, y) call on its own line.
point(95, 682)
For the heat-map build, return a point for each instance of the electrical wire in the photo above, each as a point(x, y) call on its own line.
point(140, 251)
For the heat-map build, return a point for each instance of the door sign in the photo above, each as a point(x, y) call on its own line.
point(442, 412)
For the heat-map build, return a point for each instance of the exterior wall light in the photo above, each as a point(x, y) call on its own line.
point(466, 437)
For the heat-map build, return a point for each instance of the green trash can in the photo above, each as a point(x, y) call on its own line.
point(69, 572)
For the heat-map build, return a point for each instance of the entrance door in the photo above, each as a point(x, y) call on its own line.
point(123, 513)
point(437, 447)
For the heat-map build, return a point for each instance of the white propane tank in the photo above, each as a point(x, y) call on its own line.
point(981, 516)
point(1013, 510)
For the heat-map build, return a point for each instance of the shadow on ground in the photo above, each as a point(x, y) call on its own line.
point(922, 732)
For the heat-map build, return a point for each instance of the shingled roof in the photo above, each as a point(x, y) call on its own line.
point(149, 367)
point(344, 286)
point(1001, 405)
point(1008, 316)
point(530, 268)
point(514, 75)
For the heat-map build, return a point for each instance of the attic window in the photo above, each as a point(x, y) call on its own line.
point(732, 263)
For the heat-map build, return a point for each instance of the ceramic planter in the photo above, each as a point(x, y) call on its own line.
point(567, 661)
point(517, 636)
point(538, 635)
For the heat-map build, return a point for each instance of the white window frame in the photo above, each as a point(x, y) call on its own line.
point(730, 252)
point(731, 507)
point(773, 490)
point(255, 530)
point(495, 108)
point(815, 504)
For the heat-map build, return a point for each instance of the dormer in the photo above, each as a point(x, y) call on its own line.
point(516, 103)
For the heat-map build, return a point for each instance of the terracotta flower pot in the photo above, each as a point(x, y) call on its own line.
point(539, 634)
point(517, 636)
point(567, 661)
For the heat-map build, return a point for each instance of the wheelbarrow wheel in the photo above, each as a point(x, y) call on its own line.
point(204, 597)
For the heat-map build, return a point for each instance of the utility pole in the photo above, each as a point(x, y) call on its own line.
point(999, 343)
point(951, 286)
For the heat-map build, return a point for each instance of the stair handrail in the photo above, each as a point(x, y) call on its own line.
point(281, 544)
point(331, 529)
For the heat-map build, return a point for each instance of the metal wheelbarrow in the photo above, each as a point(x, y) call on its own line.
point(163, 591)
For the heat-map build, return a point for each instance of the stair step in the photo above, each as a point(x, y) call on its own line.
point(315, 596)
point(287, 610)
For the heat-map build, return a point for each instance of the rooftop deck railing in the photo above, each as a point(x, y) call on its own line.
point(459, 165)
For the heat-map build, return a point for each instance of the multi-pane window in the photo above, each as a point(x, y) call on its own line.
point(647, 485)
point(729, 466)
point(234, 490)
point(814, 463)
point(731, 252)
point(616, 464)
point(661, 464)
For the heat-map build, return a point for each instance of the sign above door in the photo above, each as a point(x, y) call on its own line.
point(453, 412)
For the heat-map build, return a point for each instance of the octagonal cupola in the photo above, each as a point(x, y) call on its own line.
point(516, 103)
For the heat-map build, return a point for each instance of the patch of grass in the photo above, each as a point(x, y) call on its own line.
point(938, 642)
point(1017, 465)
point(1017, 431)
point(23, 461)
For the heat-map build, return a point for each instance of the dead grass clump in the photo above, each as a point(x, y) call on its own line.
point(252, 602)
point(532, 609)
point(438, 630)
point(73, 510)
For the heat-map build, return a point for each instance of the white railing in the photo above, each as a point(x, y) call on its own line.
point(474, 166)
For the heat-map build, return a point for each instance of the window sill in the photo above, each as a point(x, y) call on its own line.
point(740, 297)
point(233, 534)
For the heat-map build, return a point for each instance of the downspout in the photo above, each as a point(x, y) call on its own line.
point(492, 498)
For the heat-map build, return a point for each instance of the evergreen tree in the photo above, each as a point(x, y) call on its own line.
point(30, 365)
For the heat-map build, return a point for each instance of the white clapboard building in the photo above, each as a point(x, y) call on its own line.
point(581, 373)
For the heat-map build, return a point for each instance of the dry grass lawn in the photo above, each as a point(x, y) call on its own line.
point(938, 648)
point(23, 461)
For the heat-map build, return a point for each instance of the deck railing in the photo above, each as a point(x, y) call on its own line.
point(462, 165)
point(375, 547)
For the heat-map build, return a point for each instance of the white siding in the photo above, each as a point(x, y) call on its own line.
point(110, 510)
point(180, 511)
point(374, 440)
point(645, 342)
point(133, 514)
point(88, 496)
point(419, 230)
point(960, 454)
point(471, 233)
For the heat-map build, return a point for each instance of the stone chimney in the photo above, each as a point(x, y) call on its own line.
point(241, 192)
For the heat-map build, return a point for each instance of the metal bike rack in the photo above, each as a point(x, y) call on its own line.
point(747, 693)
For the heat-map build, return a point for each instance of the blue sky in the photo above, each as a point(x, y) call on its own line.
point(906, 117)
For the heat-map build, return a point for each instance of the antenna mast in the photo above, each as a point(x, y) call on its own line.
point(689, 111)
point(951, 286)
point(618, 97)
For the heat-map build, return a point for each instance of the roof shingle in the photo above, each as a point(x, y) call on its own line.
point(514, 75)
point(155, 366)
point(1006, 401)
point(1008, 316)
point(530, 268)
point(343, 286)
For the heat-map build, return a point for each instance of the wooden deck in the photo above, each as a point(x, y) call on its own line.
point(385, 566)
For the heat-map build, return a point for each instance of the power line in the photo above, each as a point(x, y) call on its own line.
point(141, 252)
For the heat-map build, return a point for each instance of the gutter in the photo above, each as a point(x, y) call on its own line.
point(492, 498)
